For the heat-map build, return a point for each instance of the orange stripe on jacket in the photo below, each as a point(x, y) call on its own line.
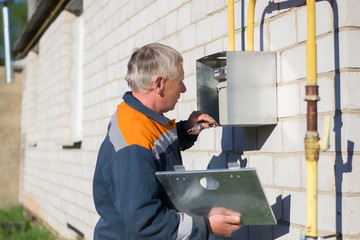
point(137, 128)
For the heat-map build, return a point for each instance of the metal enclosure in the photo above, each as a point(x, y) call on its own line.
point(243, 95)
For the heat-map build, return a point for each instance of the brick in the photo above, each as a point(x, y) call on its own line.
point(238, 6)
point(349, 134)
point(162, 8)
point(293, 134)
point(174, 4)
point(293, 64)
point(287, 232)
point(287, 171)
point(326, 221)
point(218, 161)
point(188, 37)
point(347, 166)
point(323, 16)
point(158, 29)
point(261, 42)
point(198, 11)
point(325, 51)
point(184, 16)
point(326, 177)
point(269, 138)
point(297, 209)
point(175, 41)
point(201, 160)
point(224, 139)
point(275, 199)
point(326, 94)
point(263, 165)
point(188, 162)
point(350, 91)
point(184, 109)
point(288, 100)
point(172, 114)
point(171, 23)
point(282, 32)
point(214, 47)
point(349, 48)
point(203, 33)
point(348, 13)
point(218, 26)
point(206, 139)
point(193, 56)
point(212, 6)
point(350, 213)
point(131, 9)
point(263, 10)
point(190, 83)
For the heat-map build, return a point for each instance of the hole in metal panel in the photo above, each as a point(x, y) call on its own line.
point(209, 183)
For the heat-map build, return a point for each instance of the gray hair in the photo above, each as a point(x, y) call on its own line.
point(149, 61)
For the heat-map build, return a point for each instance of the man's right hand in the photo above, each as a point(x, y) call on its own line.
point(223, 221)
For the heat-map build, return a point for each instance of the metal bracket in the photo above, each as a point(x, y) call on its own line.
point(233, 165)
point(179, 168)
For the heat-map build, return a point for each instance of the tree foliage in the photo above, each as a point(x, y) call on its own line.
point(18, 19)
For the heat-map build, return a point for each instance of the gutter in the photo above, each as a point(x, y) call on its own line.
point(46, 12)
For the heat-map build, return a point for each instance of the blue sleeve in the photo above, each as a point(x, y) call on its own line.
point(186, 140)
point(137, 198)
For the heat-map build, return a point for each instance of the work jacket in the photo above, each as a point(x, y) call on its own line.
point(129, 199)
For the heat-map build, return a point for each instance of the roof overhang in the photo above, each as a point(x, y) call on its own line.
point(45, 13)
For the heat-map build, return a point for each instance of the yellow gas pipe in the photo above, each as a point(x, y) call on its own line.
point(312, 136)
point(231, 28)
point(250, 26)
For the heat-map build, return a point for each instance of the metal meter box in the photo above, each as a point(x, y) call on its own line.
point(238, 88)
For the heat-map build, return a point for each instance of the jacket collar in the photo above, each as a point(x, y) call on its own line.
point(138, 106)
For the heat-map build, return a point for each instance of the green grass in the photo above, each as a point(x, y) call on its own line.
point(15, 225)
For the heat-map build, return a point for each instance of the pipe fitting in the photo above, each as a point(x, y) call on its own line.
point(312, 146)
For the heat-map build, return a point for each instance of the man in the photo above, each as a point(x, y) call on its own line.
point(141, 141)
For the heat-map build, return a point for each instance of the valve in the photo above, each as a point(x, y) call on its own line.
point(324, 142)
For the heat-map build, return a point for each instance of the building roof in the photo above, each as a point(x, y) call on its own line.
point(46, 12)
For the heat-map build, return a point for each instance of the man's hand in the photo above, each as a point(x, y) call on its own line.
point(197, 117)
point(223, 221)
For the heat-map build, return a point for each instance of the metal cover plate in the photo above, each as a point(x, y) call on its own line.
point(239, 190)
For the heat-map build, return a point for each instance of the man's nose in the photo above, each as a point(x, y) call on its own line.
point(183, 87)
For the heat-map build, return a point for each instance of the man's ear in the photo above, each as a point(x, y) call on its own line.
point(159, 85)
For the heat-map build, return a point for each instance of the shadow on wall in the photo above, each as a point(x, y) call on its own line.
point(340, 167)
point(281, 208)
point(253, 138)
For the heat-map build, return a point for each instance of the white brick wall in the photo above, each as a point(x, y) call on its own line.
point(56, 183)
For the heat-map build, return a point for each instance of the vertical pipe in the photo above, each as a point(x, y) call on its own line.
point(250, 26)
point(231, 28)
point(311, 44)
point(311, 137)
point(7, 42)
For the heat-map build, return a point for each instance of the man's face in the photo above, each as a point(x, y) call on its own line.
point(172, 90)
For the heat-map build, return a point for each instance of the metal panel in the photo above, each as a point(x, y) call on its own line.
point(251, 93)
point(249, 96)
point(206, 85)
point(207, 100)
point(239, 190)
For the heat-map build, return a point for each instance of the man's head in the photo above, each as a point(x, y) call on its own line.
point(149, 62)
point(156, 70)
